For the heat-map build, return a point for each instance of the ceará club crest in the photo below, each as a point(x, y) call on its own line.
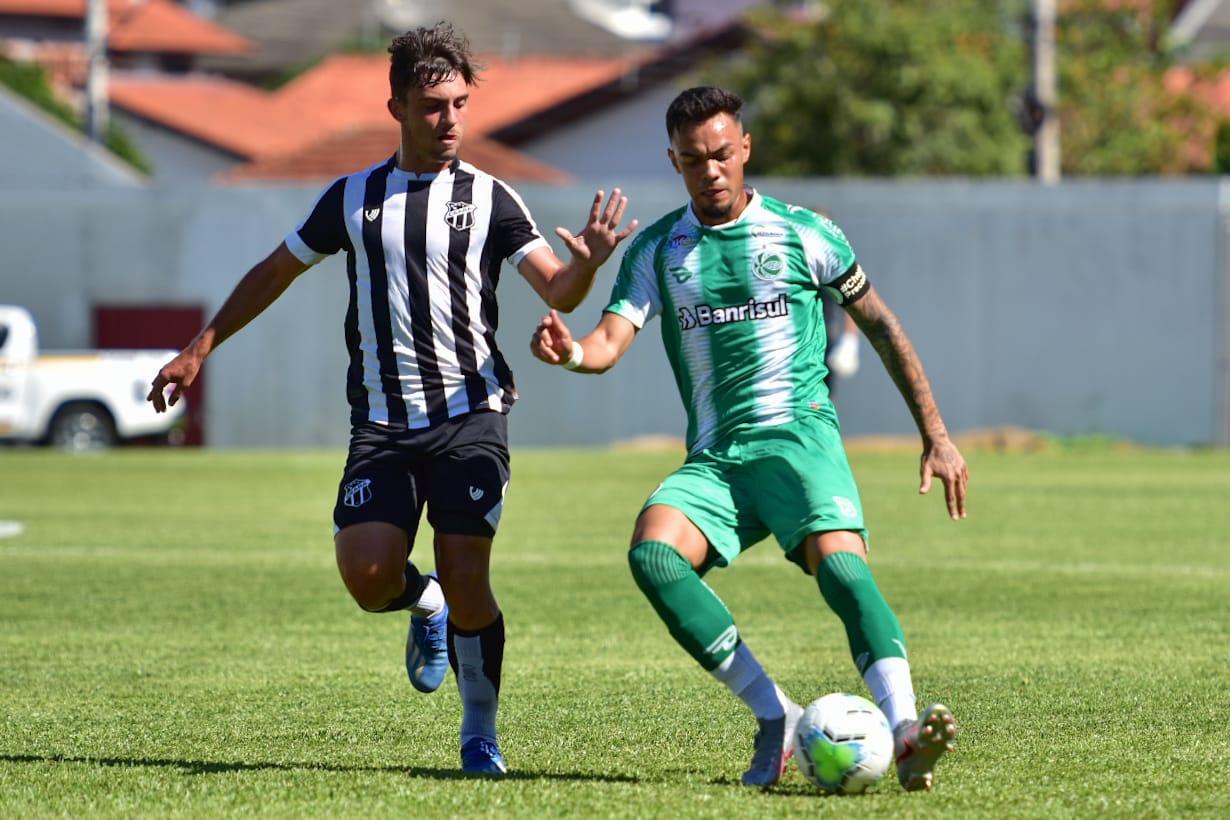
point(460, 215)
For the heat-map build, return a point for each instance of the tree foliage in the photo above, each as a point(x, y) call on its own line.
point(884, 88)
point(1124, 109)
point(938, 87)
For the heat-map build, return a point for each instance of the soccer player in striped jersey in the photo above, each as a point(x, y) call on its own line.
point(737, 278)
point(424, 234)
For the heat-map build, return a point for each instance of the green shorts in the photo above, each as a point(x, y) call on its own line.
point(790, 480)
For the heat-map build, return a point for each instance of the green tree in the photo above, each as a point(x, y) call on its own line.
point(884, 88)
point(1118, 113)
point(936, 87)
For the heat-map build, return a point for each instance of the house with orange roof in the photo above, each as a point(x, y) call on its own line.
point(157, 35)
point(332, 119)
point(539, 118)
point(354, 129)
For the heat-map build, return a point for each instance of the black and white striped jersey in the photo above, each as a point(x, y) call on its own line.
point(423, 255)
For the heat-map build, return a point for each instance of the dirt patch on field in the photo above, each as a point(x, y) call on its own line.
point(1001, 439)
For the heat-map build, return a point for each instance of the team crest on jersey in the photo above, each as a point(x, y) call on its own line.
point(769, 264)
point(460, 215)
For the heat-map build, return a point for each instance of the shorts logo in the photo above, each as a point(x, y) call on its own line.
point(357, 493)
point(371, 213)
point(845, 506)
point(724, 642)
point(475, 493)
point(460, 215)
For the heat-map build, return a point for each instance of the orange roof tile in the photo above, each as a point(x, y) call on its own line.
point(345, 152)
point(162, 26)
point(233, 116)
point(142, 25)
point(50, 8)
point(357, 87)
point(343, 89)
point(333, 119)
point(512, 90)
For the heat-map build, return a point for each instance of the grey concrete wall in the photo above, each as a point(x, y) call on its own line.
point(65, 157)
point(1093, 307)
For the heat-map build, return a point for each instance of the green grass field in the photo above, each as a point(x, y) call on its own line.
point(175, 642)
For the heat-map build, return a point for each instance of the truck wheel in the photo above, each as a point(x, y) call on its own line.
point(81, 426)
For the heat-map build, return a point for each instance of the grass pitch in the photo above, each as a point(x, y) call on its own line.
point(175, 642)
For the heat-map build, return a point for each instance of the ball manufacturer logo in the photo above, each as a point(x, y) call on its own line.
point(460, 215)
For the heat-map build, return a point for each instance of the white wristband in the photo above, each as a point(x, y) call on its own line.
point(574, 359)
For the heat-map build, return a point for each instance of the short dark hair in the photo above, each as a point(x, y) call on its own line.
point(429, 56)
point(701, 104)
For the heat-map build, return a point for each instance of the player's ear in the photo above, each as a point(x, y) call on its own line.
point(670, 153)
point(397, 109)
point(747, 147)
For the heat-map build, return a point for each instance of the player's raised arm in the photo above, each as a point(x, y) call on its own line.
point(562, 285)
point(940, 456)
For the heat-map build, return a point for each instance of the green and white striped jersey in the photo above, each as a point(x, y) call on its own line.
point(742, 320)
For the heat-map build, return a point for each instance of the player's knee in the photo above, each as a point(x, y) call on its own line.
point(372, 586)
point(654, 564)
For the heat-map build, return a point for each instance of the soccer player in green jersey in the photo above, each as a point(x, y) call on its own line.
point(736, 277)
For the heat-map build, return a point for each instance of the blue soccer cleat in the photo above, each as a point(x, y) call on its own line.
point(481, 756)
point(427, 649)
point(773, 746)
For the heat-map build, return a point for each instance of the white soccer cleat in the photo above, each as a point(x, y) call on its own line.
point(773, 746)
point(919, 744)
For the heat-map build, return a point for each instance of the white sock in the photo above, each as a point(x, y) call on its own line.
point(431, 601)
point(479, 698)
point(747, 680)
point(892, 689)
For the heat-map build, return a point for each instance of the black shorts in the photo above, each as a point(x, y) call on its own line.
point(459, 470)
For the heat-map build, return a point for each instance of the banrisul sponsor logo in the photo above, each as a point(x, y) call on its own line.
point(750, 311)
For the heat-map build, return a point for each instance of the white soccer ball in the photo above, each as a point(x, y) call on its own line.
point(843, 743)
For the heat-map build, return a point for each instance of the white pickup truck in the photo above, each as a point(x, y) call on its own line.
point(76, 400)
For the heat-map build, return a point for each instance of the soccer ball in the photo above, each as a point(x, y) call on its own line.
point(843, 743)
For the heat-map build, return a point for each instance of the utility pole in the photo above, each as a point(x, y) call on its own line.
point(1046, 93)
point(96, 69)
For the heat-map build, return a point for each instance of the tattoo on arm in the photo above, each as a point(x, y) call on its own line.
point(881, 327)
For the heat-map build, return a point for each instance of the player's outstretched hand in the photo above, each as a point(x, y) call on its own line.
point(181, 372)
point(601, 234)
point(552, 340)
point(944, 461)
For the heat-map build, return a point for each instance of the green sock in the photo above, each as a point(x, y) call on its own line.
point(847, 586)
point(695, 616)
